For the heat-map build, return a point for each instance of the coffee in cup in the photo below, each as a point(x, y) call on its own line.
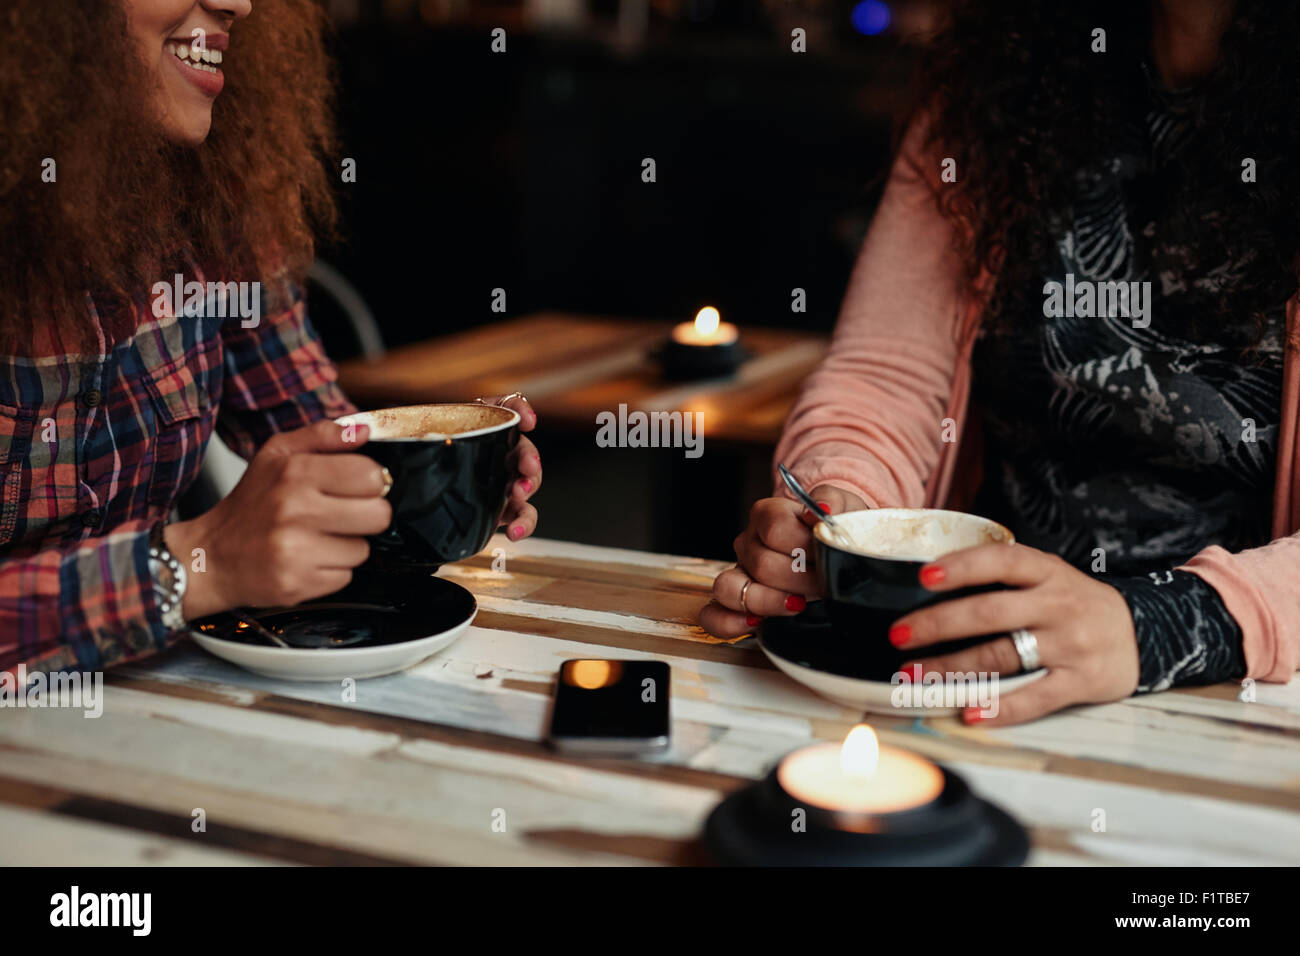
point(869, 571)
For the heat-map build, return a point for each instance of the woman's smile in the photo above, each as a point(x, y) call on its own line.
point(200, 62)
point(188, 41)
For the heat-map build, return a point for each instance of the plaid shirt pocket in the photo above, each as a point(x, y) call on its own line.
point(38, 455)
point(180, 407)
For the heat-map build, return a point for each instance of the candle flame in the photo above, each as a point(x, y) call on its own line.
point(706, 320)
point(861, 752)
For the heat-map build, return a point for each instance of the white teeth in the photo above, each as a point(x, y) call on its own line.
point(193, 57)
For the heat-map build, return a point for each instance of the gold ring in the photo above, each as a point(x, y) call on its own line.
point(387, 476)
point(502, 400)
point(748, 582)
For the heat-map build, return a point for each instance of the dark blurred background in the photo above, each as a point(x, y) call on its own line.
point(478, 170)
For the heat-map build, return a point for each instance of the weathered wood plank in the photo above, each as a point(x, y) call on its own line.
point(419, 801)
point(294, 779)
point(44, 839)
point(498, 681)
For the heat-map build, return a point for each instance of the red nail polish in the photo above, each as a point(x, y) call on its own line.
point(972, 715)
point(526, 485)
point(932, 574)
point(899, 635)
point(911, 673)
point(826, 509)
point(752, 620)
point(793, 602)
point(517, 531)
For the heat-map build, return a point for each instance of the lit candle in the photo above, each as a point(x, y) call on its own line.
point(707, 329)
point(861, 804)
point(860, 776)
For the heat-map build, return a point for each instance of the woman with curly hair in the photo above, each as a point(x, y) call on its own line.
point(142, 140)
point(1144, 456)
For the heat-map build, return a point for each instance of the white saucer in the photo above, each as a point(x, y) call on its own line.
point(878, 696)
point(359, 662)
point(419, 617)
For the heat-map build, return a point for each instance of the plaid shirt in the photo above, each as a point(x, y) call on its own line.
point(96, 448)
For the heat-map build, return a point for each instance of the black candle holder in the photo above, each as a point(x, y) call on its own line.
point(681, 362)
point(755, 827)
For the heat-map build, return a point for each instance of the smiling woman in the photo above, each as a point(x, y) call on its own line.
point(151, 149)
point(159, 153)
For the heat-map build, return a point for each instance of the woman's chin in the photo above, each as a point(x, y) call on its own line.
point(189, 130)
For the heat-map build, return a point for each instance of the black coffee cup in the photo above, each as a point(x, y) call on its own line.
point(870, 577)
point(452, 466)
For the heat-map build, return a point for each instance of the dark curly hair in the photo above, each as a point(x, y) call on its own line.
point(126, 203)
point(1016, 96)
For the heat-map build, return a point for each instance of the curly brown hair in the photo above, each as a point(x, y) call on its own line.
point(1013, 92)
point(126, 205)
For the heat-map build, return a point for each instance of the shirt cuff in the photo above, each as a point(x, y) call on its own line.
point(1185, 634)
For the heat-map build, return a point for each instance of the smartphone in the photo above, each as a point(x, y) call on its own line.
point(617, 708)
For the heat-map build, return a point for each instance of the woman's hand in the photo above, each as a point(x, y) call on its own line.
point(292, 529)
point(1083, 626)
point(765, 560)
point(520, 518)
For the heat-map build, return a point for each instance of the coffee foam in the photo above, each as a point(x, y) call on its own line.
point(430, 421)
point(911, 534)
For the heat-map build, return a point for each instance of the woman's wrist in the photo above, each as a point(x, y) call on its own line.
point(1185, 634)
point(202, 595)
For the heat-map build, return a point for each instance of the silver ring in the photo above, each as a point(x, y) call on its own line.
point(748, 582)
point(1026, 649)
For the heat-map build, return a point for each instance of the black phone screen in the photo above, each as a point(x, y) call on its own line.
point(611, 705)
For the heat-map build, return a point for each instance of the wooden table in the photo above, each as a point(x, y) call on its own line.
point(418, 768)
point(572, 367)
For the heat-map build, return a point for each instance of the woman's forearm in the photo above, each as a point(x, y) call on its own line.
point(86, 606)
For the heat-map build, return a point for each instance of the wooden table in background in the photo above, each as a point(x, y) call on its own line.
point(421, 765)
point(572, 367)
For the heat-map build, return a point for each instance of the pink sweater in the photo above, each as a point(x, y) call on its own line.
point(884, 416)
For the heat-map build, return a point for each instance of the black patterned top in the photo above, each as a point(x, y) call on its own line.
point(1115, 442)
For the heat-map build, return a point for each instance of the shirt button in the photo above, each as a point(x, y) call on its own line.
point(92, 397)
point(90, 519)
